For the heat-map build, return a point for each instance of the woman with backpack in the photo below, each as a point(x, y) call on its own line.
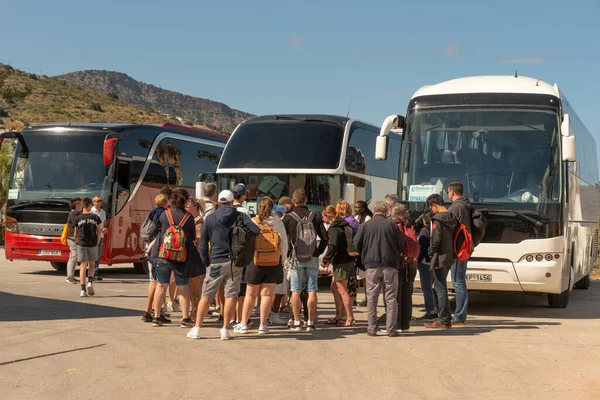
point(196, 208)
point(343, 264)
point(175, 251)
point(266, 269)
point(408, 268)
point(344, 209)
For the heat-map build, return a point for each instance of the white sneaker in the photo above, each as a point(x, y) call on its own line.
point(263, 330)
point(83, 294)
point(225, 335)
point(173, 306)
point(194, 333)
point(241, 328)
point(90, 288)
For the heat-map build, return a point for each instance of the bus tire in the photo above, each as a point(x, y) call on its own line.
point(59, 266)
point(584, 283)
point(559, 300)
point(141, 267)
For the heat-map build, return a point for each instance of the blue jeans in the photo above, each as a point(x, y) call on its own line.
point(459, 282)
point(97, 263)
point(426, 278)
point(304, 273)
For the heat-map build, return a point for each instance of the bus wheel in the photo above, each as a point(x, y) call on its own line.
point(141, 267)
point(59, 266)
point(584, 283)
point(559, 300)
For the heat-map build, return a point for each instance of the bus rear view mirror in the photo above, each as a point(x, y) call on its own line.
point(569, 148)
point(391, 122)
point(110, 146)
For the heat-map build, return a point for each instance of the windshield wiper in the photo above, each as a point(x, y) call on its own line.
point(289, 118)
point(47, 202)
point(519, 214)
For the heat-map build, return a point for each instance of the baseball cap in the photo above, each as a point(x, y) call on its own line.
point(284, 200)
point(226, 196)
point(240, 189)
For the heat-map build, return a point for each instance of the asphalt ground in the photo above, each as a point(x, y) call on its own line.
point(56, 345)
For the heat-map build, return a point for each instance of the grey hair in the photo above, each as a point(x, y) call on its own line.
point(399, 211)
point(380, 207)
point(391, 198)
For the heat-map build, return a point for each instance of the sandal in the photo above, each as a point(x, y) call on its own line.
point(335, 321)
point(347, 324)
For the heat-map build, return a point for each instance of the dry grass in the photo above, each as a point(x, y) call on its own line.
point(596, 271)
point(57, 101)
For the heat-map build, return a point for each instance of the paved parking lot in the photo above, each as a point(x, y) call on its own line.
point(55, 345)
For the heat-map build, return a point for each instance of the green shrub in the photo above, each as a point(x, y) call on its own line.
point(113, 96)
point(96, 107)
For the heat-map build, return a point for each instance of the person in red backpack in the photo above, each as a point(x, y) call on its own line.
point(441, 250)
point(408, 268)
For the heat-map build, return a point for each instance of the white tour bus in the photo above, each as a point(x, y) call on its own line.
point(526, 161)
point(330, 157)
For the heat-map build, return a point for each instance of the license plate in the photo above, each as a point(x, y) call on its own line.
point(50, 252)
point(479, 277)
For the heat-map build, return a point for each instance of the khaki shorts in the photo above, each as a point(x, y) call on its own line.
point(222, 273)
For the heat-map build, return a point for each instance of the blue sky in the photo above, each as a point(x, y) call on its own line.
point(308, 56)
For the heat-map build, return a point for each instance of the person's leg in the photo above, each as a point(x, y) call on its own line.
point(373, 280)
point(184, 300)
point(151, 291)
point(266, 293)
point(441, 288)
point(203, 307)
point(297, 275)
point(337, 299)
point(277, 300)
point(342, 289)
point(232, 278)
point(210, 286)
point(159, 298)
point(72, 264)
point(390, 277)
point(312, 286)
point(426, 280)
point(252, 292)
point(405, 291)
point(97, 262)
point(239, 311)
point(459, 282)
point(221, 299)
point(196, 293)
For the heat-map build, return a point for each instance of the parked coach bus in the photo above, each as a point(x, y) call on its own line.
point(526, 161)
point(126, 165)
point(330, 157)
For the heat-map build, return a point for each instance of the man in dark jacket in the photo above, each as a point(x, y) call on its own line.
point(441, 251)
point(380, 243)
point(461, 208)
point(304, 273)
point(215, 231)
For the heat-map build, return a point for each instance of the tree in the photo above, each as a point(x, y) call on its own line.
point(9, 92)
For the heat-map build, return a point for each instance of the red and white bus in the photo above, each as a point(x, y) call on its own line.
point(125, 164)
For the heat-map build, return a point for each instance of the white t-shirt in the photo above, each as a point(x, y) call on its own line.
point(102, 215)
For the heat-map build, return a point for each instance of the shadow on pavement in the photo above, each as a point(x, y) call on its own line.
point(27, 308)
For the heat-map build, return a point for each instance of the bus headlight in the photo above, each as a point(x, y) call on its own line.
point(12, 225)
point(539, 258)
point(549, 257)
point(529, 258)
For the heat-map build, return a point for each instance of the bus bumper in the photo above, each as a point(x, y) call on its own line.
point(31, 247)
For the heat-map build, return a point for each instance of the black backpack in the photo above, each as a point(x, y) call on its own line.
point(478, 226)
point(241, 244)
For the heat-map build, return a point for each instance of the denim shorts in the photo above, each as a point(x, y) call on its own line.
point(163, 276)
point(304, 273)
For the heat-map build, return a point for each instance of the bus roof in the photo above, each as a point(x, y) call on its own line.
point(489, 84)
point(291, 117)
point(125, 126)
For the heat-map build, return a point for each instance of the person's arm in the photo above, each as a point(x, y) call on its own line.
point(250, 226)
point(204, 240)
point(283, 239)
point(322, 233)
point(358, 239)
point(332, 246)
point(98, 234)
point(436, 238)
point(75, 232)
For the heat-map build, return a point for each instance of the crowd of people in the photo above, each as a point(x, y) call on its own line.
point(215, 259)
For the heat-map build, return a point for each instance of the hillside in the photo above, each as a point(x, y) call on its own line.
point(54, 100)
point(200, 111)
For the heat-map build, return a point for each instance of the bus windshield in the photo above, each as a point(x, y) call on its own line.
point(57, 166)
point(296, 144)
point(321, 190)
point(505, 156)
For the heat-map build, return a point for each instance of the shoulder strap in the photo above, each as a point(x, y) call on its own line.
point(170, 217)
point(296, 217)
point(185, 218)
point(311, 216)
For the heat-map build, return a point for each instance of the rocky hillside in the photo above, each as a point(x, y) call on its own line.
point(186, 108)
point(52, 100)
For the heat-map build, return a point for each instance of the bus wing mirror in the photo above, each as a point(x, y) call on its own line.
point(391, 122)
point(110, 147)
point(569, 148)
point(349, 193)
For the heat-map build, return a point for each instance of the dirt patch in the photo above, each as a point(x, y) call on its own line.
point(596, 272)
